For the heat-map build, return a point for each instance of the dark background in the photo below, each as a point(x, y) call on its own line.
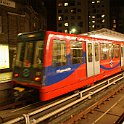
point(47, 8)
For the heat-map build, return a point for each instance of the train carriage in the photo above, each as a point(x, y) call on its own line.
point(56, 63)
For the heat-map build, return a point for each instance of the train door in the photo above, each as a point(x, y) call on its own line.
point(93, 62)
point(122, 55)
point(89, 54)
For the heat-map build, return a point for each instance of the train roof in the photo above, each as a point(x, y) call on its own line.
point(31, 35)
point(106, 34)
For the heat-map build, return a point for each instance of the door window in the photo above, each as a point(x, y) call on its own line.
point(96, 52)
point(122, 54)
point(90, 52)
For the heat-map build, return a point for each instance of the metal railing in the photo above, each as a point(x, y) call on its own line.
point(82, 95)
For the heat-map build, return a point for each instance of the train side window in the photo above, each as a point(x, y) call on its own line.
point(59, 53)
point(116, 50)
point(104, 51)
point(96, 52)
point(76, 52)
point(111, 51)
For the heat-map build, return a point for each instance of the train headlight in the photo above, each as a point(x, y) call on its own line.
point(16, 75)
point(37, 78)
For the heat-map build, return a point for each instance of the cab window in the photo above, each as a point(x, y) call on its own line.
point(28, 58)
point(39, 54)
point(20, 54)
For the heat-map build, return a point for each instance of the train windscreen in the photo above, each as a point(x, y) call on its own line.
point(30, 54)
point(29, 58)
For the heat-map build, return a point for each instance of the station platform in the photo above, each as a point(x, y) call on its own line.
point(5, 86)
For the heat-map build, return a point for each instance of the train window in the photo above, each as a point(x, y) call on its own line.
point(76, 52)
point(20, 54)
point(116, 50)
point(28, 58)
point(111, 51)
point(38, 56)
point(104, 51)
point(96, 52)
point(59, 53)
point(90, 52)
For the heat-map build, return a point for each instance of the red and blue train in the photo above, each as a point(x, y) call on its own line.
point(56, 63)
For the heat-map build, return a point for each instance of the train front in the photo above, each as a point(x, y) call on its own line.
point(28, 68)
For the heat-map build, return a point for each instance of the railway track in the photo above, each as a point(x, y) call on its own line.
point(120, 120)
point(108, 109)
point(12, 103)
point(9, 114)
point(63, 110)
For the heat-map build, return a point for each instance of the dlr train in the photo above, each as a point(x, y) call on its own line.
point(54, 63)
